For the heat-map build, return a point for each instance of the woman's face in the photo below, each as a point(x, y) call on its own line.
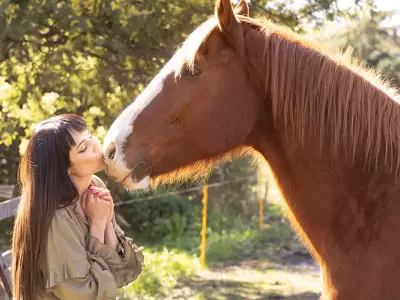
point(86, 156)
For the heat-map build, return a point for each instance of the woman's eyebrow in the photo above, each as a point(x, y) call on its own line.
point(80, 143)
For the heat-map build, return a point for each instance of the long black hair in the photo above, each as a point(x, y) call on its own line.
point(46, 186)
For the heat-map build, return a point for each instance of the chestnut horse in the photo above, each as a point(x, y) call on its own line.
point(328, 127)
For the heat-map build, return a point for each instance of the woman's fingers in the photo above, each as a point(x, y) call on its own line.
point(95, 191)
point(98, 192)
point(103, 193)
point(107, 198)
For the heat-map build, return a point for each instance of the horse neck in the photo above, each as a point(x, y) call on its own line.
point(320, 188)
point(271, 144)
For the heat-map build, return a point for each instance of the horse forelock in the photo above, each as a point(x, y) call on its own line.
point(185, 55)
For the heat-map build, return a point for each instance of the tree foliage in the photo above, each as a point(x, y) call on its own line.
point(375, 40)
point(93, 57)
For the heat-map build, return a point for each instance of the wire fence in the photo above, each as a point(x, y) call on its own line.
point(9, 207)
point(192, 189)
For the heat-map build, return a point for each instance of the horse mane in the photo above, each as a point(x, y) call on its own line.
point(337, 101)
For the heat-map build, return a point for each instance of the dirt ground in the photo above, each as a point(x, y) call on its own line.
point(292, 276)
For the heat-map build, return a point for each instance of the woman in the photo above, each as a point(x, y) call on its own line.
point(66, 244)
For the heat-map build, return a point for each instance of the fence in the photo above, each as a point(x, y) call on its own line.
point(262, 188)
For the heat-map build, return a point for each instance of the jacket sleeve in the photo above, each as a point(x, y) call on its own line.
point(132, 259)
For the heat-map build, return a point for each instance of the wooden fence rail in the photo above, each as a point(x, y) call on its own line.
point(8, 209)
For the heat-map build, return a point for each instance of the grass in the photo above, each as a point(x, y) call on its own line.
point(242, 263)
point(161, 274)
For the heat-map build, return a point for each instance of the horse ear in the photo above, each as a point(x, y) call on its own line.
point(242, 8)
point(225, 15)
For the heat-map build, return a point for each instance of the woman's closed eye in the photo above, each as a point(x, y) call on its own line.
point(83, 150)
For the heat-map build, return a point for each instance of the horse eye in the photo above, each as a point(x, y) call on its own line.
point(194, 72)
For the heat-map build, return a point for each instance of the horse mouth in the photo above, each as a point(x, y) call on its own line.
point(129, 174)
point(130, 184)
point(138, 178)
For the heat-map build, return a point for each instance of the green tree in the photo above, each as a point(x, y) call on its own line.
point(375, 40)
point(94, 57)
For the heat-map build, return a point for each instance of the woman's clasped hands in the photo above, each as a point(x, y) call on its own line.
point(98, 206)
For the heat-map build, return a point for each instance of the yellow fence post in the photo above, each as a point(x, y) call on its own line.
point(261, 209)
point(261, 196)
point(204, 229)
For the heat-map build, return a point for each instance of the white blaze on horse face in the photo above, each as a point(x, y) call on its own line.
point(122, 128)
point(124, 124)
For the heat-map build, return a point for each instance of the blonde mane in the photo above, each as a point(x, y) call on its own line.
point(337, 100)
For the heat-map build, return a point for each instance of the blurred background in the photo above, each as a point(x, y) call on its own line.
point(93, 57)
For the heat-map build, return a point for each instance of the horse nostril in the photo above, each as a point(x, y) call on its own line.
point(110, 152)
